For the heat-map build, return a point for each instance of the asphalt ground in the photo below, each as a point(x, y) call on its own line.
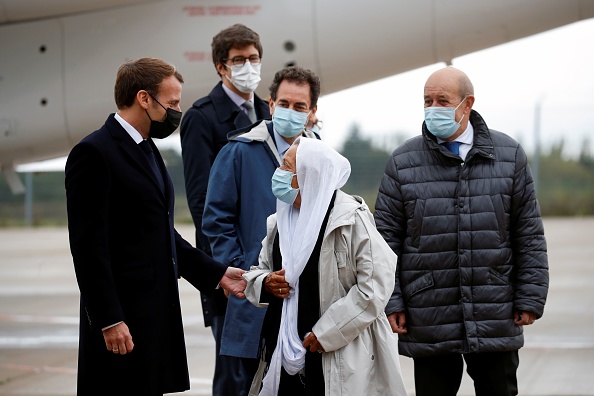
point(39, 318)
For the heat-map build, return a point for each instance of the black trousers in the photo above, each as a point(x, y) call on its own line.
point(493, 373)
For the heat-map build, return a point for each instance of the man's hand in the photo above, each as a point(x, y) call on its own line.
point(312, 342)
point(523, 318)
point(233, 282)
point(276, 284)
point(118, 339)
point(398, 322)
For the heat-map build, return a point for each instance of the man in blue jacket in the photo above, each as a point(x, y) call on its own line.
point(236, 55)
point(239, 199)
point(457, 205)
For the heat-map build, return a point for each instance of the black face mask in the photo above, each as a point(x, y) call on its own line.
point(162, 129)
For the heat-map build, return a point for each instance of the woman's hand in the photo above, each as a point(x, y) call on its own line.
point(276, 284)
point(312, 342)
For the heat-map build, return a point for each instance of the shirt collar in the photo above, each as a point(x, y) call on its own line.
point(466, 138)
point(134, 134)
point(238, 100)
point(281, 144)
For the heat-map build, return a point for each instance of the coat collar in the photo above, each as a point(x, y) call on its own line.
point(226, 110)
point(344, 211)
point(483, 144)
point(262, 131)
point(259, 132)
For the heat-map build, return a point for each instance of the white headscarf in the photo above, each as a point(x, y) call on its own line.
point(320, 171)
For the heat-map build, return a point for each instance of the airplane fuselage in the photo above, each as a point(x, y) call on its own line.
point(58, 63)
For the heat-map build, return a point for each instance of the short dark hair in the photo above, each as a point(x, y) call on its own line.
point(300, 76)
point(237, 36)
point(141, 74)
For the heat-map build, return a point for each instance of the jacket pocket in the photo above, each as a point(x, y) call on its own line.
point(500, 216)
point(497, 278)
point(418, 285)
point(414, 215)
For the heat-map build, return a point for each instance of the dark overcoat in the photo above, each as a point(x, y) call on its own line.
point(127, 258)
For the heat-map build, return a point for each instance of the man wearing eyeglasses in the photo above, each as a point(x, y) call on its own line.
point(239, 199)
point(232, 104)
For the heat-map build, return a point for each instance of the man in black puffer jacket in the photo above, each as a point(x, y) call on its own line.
point(457, 205)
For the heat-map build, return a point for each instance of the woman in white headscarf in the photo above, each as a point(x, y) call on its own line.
point(325, 274)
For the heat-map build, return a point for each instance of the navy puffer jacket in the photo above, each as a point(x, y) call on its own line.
point(470, 243)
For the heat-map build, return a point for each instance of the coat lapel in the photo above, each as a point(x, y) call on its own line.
point(136, 156)
point(226, 109)
point(166, 178)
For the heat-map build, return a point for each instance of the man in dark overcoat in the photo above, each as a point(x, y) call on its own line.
point(127, 254)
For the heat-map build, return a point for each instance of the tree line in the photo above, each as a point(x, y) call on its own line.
point(565, 186)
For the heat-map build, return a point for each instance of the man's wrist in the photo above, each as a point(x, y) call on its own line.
point(110, 326)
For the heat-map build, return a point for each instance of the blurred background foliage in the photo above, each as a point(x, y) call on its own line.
point(565, 185)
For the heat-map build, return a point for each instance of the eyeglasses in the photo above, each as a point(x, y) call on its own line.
point(240, 60)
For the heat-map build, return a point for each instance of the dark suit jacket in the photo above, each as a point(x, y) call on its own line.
point(203, 132)
point(127, 257)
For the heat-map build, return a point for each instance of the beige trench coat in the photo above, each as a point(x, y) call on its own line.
point(357, 270)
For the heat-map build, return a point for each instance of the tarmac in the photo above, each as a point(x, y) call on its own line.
point(39, 318)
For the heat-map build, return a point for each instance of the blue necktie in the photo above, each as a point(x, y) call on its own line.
point(146, 147)
point(454, 147)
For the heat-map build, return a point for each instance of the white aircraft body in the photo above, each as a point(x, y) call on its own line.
point(58, 58)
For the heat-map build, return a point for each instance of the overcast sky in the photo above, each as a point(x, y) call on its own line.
point(554, 68)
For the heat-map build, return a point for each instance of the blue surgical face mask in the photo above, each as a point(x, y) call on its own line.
point(288, 123)
point(281, 186)
point(441, 121)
